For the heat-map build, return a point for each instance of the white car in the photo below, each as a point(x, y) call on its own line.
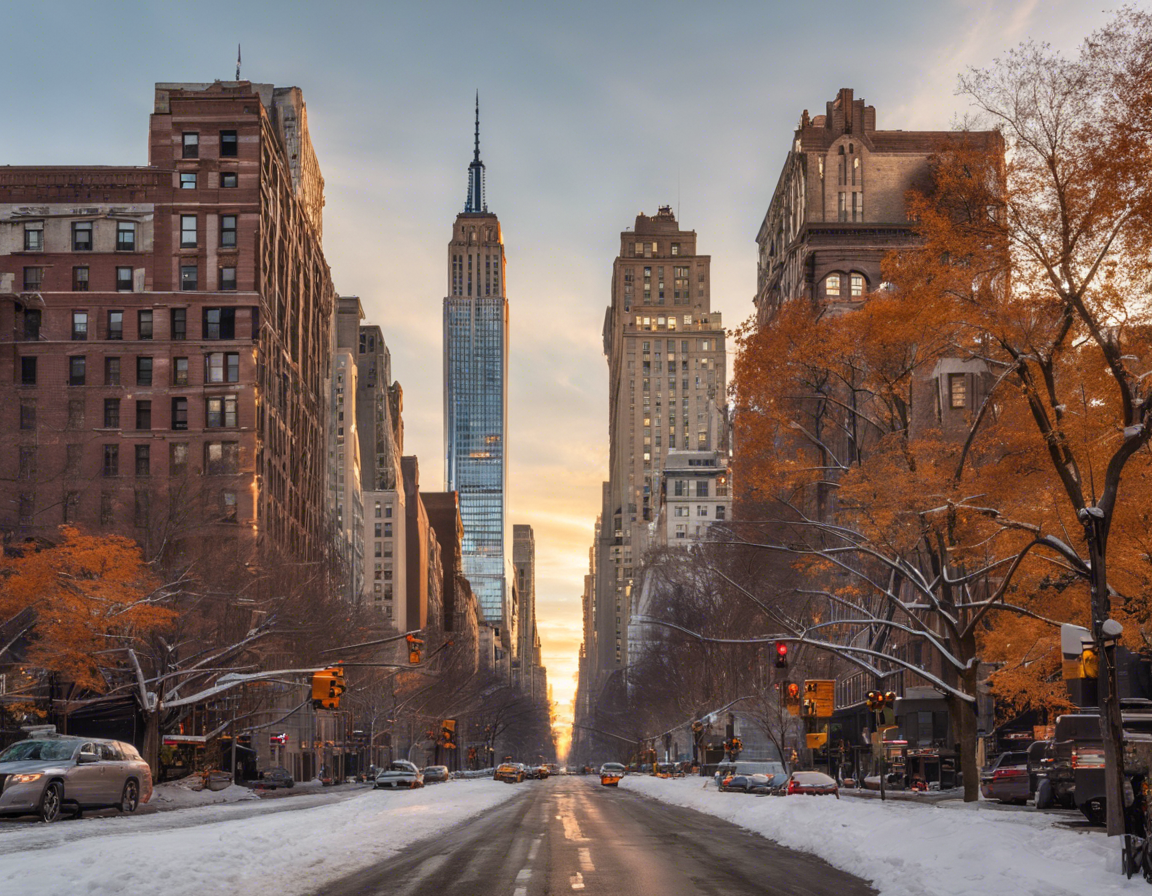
point(399, 773)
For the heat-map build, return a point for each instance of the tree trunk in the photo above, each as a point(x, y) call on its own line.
point(968, 718)
point(152, 742)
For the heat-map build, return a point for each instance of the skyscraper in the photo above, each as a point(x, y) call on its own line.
point(666, 380)
point(476, 393)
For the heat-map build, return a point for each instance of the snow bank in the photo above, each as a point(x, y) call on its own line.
point(270, 851)
point(177, 795)
point(905, 849)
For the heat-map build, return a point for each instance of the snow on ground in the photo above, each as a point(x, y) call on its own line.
point(905, 849)
point(281, 852)
point(176, 795)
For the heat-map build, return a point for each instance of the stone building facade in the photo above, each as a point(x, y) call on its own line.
point(666, 376)
point(166, 334)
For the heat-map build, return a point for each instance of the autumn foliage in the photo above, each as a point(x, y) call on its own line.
point(82, 602)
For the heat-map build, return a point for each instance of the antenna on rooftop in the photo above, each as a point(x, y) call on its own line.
point(237, 62)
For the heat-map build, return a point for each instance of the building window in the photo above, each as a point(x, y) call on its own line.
point(141, 508)
point(177, 458)
point(34, 236)
point(143, 460)
point(957, 390)
point(79, 326)
point(125, 236)
point(124, 279)
point(857, 284)
point(187, 180)
point(675, 248)
point(32, 319)
point(143, 415)
point(179, 323)
point(27, 508)
point(80, 279)
point(179, 371)
point(27, 468)
point(179, 413)
point(222, 367)
point(719, 511)
point(73, 458)
point(144, 324)
point(143, 371)
point(228, 506)
point(28, 372)
point(221, 458)
point(227, 279)
point(33, 277)
point(111, 413)
point(378, 531)
point(228, 180)
point(832, 285)
point(188, 278)
point(105, 508)
point(71, 505)
point(82, 236)
point(111, 460)
point(229, 145)
point(188, 237)
point(228, 231)
point(191, 145)
point(111, 371)
point(219, 323)
point(702, 488)
point(221, 411)
point(28, 415)
point(115, 324)
point(76, 370)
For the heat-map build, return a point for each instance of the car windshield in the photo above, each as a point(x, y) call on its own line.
point(38, 749)
point(1013, 759)
point(812, 779)
point(399, 767)
point(613, 767)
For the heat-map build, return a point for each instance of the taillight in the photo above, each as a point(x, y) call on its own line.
point(792, 787)
point(1008, 772)
point(1090, 757)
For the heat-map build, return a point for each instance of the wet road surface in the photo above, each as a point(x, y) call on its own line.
point(570, 835)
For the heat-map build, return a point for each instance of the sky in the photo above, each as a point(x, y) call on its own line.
point(591, 112)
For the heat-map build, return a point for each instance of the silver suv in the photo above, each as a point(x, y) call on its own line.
point(50, 774)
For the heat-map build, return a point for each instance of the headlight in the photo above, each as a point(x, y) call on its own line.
point(25, 779)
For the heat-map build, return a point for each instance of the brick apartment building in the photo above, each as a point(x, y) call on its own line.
point(165, 331)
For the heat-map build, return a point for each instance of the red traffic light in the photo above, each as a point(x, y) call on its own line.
point(781, 655)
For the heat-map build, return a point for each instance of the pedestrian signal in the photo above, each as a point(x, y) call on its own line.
point(792, 697)
point(415, 650)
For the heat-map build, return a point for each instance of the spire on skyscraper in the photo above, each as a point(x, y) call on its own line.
point(476, 201)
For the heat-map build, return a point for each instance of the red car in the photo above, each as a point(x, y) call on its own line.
point(813, 784)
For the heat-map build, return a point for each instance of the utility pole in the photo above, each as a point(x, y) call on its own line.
point(1111, 722)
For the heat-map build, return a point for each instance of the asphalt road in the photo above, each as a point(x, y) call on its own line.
point(570, 835)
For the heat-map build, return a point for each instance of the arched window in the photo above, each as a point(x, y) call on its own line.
point(832, 285)
point(857, 285)
point(841, 166)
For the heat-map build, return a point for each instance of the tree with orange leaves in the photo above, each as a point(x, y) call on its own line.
point(82, 602)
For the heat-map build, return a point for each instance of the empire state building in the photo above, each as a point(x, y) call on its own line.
point(476, 393)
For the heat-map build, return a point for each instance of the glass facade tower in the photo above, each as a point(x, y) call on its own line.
point(476, 393)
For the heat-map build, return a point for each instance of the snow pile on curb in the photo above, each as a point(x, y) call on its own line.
point(908, 850)
point(273, 851)
point(178, 795)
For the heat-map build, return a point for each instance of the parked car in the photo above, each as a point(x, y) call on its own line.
point(611, 773)
point(509, 773)
point(812, 784)
point(735, 783)
point(435, 774)
point(399, 773)
point(50, 774)
point(276, 777)
point(1007, 779)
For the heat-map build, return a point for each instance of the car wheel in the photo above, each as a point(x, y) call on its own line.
point(50, 803)
point(1044, 795)
point(130, 798)
point(1094, 811)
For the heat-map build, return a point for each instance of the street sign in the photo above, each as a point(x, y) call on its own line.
point(822, 692)
point(277, 740)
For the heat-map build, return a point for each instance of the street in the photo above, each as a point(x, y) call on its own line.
point(569, 834)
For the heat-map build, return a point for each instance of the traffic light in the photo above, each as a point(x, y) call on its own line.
point(808, 708)
point(874, 700)
point(792, 697)
point(415, 650)
point(448, 732)
point(781, 655)
point(890, 700)
point(327, 687)
point(1089, 662)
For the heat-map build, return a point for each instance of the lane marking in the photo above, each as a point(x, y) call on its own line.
point(520, 891)
point(585, 855)
point(524, 875)
point(533, 849)
point(577, 881)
